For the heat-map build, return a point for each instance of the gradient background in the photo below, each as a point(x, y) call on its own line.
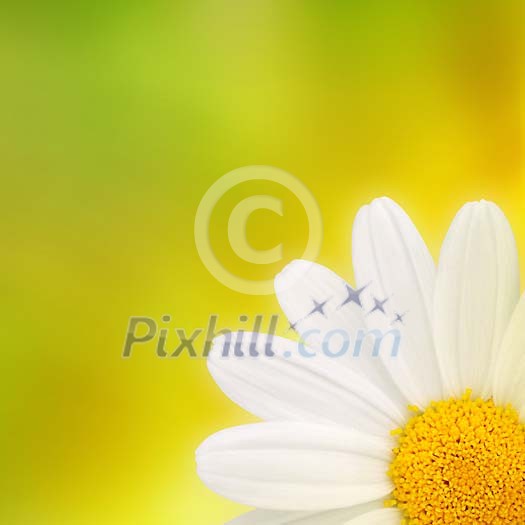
point(115, 119)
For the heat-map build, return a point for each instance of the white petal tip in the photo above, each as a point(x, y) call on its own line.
point(384, 200)
point(292, 273)
point(382, 204)
point(481, 204)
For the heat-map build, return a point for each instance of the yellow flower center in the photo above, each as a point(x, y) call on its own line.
point(461, 461)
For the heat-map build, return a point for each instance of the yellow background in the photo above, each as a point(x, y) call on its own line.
point(115, 119)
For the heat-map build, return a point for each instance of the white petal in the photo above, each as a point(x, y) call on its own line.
point(378, 517)
point(295, 466)
point(330, 517)
point(389, 253)
point(298, 286)
point(275, 379)
point(476, 291)
point(509, 376)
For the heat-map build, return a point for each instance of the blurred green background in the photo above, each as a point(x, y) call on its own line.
point(115, 119)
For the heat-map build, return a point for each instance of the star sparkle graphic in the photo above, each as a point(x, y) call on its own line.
point(354, 296)
point(379, 305)
point(399, 318)
point(318, 308)
point(293, 326)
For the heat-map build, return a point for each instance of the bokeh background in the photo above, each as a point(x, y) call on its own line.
point(117, 116)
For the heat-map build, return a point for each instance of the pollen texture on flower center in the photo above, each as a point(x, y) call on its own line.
point(461, 461)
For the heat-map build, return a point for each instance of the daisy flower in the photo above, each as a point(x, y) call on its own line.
point(430, 434)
